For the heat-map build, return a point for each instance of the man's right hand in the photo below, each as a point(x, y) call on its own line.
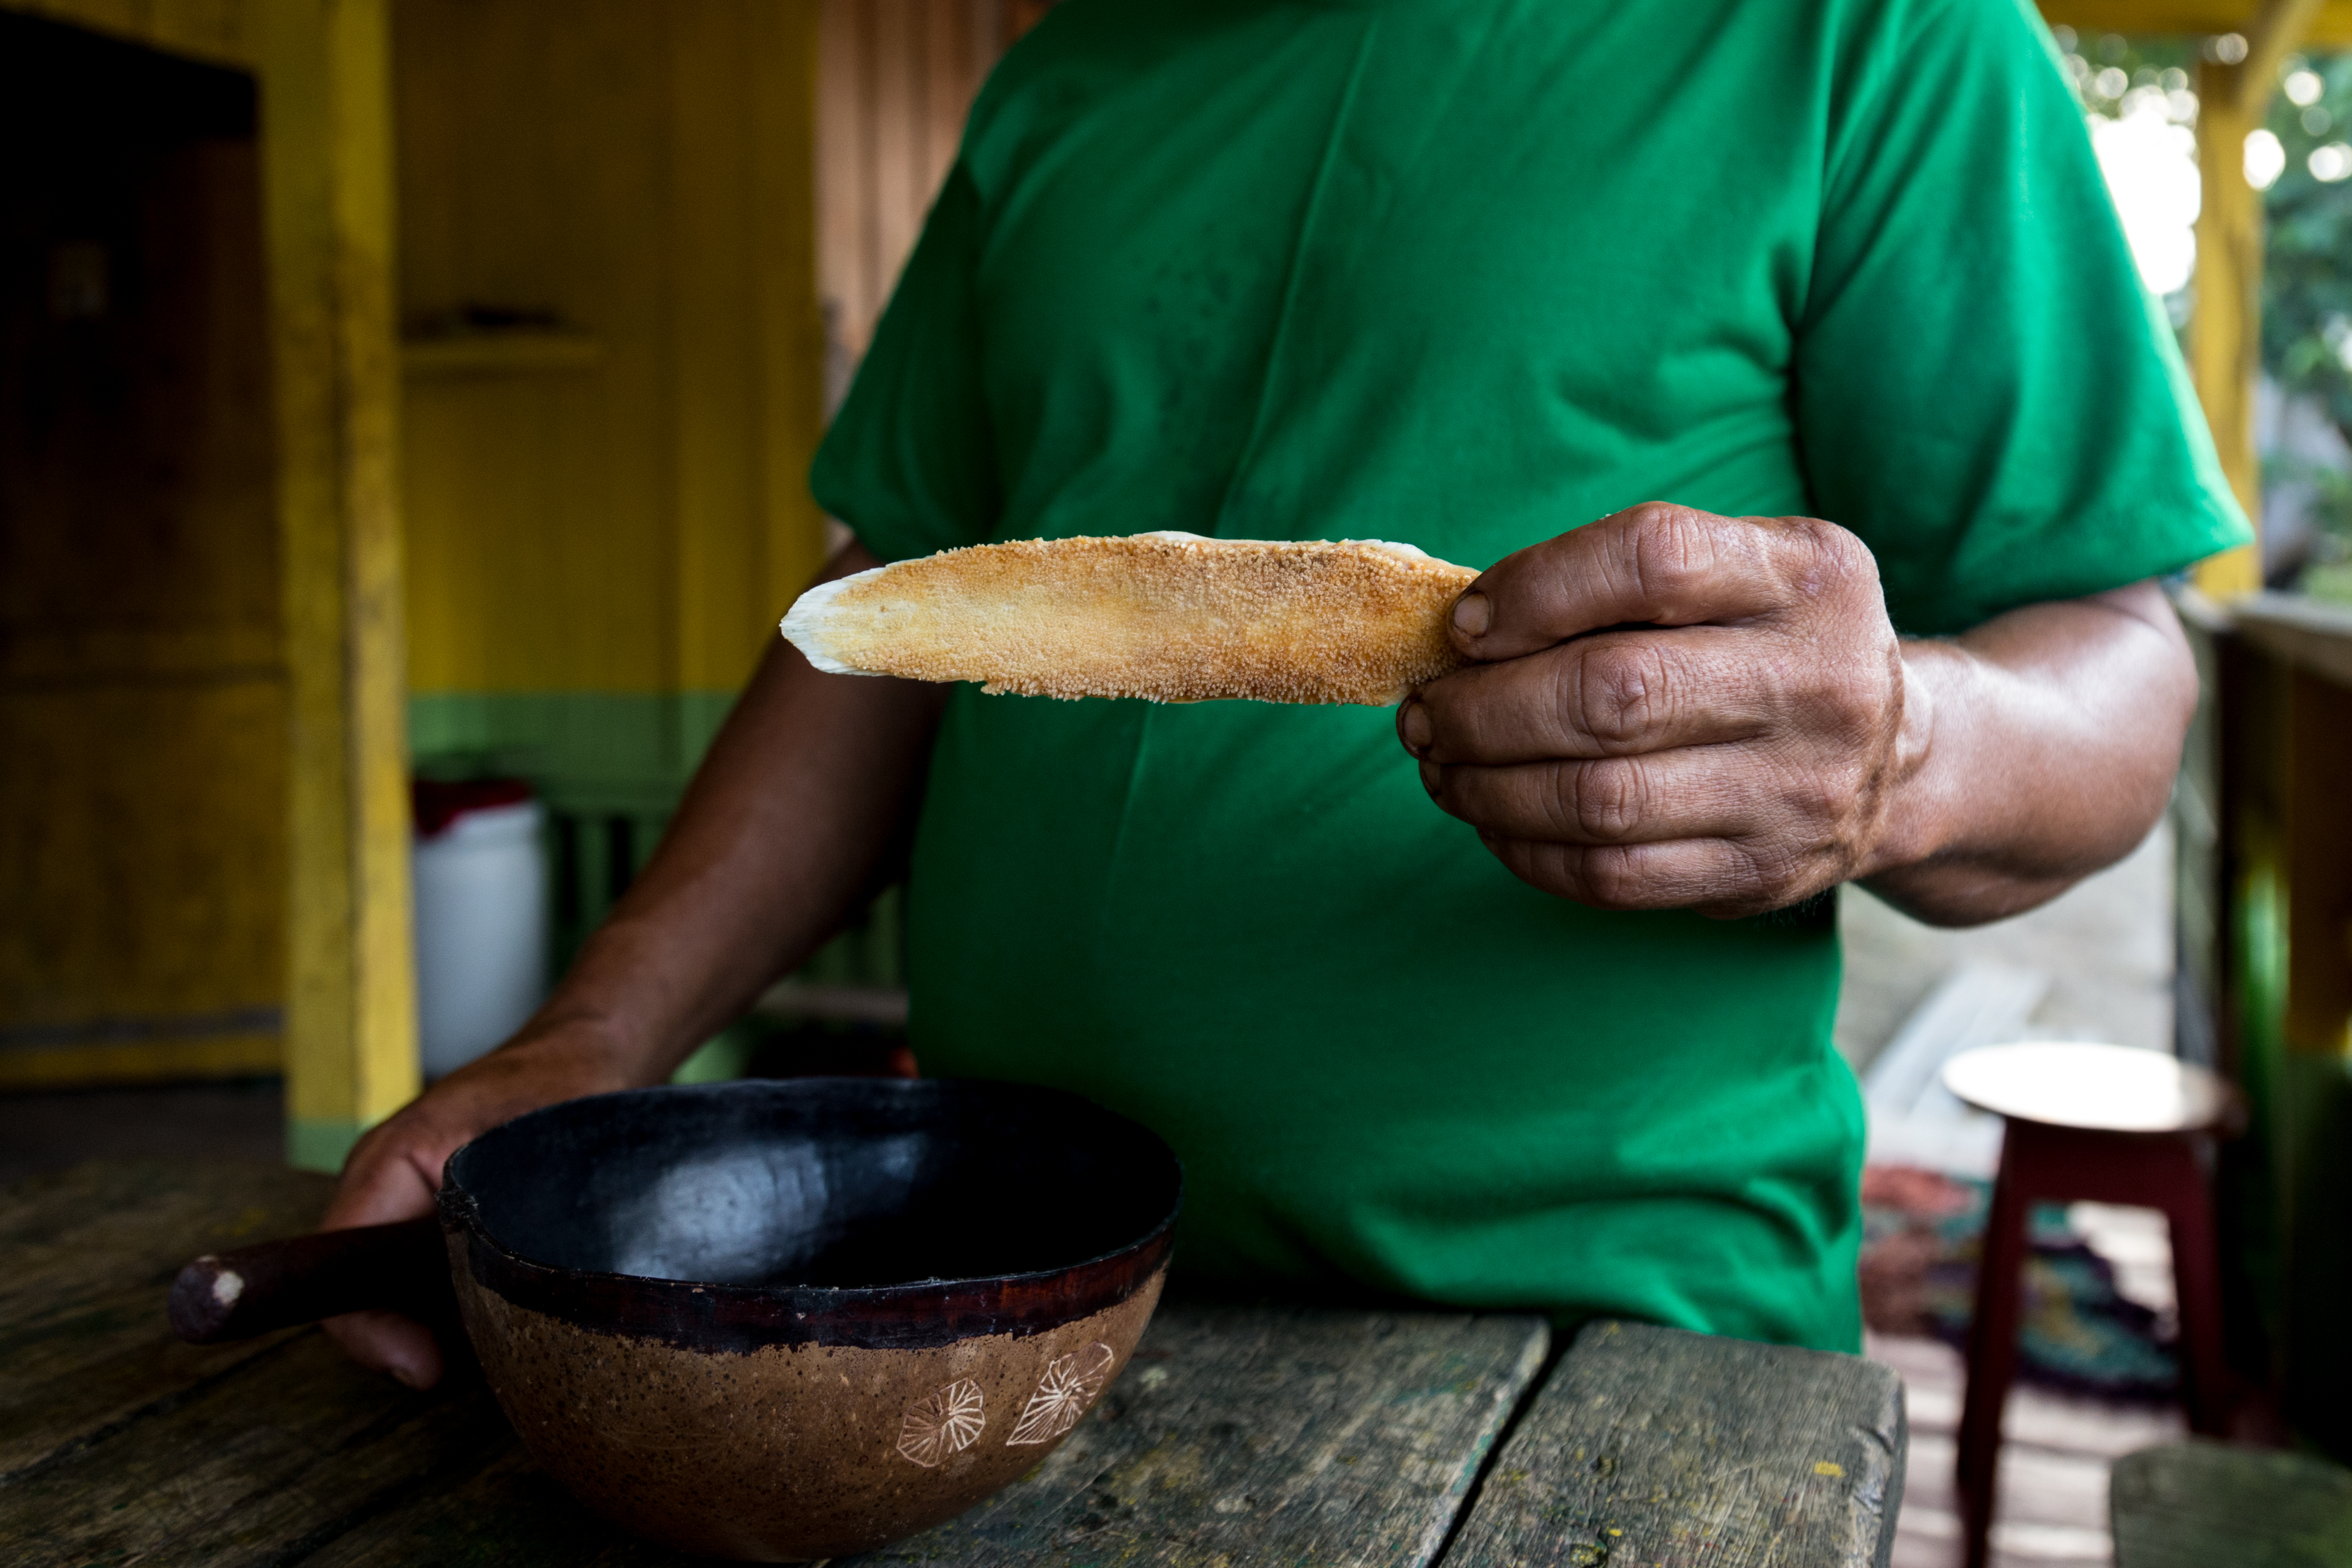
point(394, 1170)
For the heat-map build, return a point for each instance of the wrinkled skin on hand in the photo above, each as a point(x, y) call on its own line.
point(1672, 709)
point(394, 1172)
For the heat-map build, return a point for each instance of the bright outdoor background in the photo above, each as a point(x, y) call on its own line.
point(2140, 98)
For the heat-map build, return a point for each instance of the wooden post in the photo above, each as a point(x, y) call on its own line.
point(325, 137)
point(2225, 334)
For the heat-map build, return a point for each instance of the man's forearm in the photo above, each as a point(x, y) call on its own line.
point(2038, 748)
point(784, 832)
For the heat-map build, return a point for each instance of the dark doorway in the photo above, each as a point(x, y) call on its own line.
point(141, 691)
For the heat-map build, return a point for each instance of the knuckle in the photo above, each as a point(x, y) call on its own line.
point(1768, 873)
point(1758, 867)
point(1604, 802)
point(1621, 693)
point(1674, 551)
point(1829, 556)
point(1605, 877)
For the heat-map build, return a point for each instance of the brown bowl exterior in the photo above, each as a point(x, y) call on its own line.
point(752, 1417)
point(788, 1452)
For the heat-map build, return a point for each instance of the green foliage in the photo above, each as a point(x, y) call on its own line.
point(2307, 299)
point(2142, 61)
point(2306, 281)
point(2113, 76)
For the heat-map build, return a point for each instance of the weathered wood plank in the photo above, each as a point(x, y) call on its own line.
point(83, 1343)
point(1266, 1435)
point(508, 1515)
point(103, 1223)
point(1653, 1447)
point(260, 1465)
point(2197, 1504)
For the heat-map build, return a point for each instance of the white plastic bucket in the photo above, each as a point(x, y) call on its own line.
point(481, 932)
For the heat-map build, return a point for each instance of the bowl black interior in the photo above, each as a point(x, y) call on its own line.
point(819, 1183)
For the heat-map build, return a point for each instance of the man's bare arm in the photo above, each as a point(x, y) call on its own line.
point(2051, 735)
point(781, 836)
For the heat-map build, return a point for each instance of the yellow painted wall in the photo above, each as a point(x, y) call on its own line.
point(632, 177)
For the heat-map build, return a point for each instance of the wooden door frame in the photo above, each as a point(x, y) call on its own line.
point(323, 72)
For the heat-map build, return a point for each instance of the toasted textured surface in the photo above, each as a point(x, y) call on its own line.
point(1166, 617)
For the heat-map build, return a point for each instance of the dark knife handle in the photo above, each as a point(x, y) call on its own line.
point(276, 1284)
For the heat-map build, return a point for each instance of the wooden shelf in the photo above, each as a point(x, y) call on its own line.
point(513, 352)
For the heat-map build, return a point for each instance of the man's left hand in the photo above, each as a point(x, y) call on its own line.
point(1672, 709)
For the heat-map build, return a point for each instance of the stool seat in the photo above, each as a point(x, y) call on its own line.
point(2097, 1088)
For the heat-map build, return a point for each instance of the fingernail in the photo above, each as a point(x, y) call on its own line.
point(1415, 726)
point(1433, 779)
point(1473, 615)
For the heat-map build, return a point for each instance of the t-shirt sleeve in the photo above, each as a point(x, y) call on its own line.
point(909, 463)
point(1985, 392)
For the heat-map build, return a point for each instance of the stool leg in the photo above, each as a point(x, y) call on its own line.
point(1992, 1340)
point(2197, 1281)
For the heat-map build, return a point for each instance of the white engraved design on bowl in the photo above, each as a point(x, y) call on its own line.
point(1069, 1386)
point(945, 1421)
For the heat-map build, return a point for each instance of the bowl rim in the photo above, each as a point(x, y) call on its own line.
point(714, 1316)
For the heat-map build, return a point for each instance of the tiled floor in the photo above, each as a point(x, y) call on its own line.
point(2052, 1505)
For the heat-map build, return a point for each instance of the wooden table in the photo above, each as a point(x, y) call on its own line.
point(1238, 1434)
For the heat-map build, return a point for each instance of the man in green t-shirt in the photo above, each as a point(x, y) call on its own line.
point(1533, 1012)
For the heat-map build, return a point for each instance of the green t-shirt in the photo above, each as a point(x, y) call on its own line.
point(1466, 274)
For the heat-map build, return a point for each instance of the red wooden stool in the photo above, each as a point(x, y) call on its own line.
point(2098, 1124)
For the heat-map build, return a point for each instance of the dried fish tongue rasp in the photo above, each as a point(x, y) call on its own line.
point(1166, 617)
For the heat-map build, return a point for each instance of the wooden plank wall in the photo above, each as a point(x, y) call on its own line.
point(607, 502)
point(638, 173)
point(897, 78)
point(635, 173)
point(615, 387)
